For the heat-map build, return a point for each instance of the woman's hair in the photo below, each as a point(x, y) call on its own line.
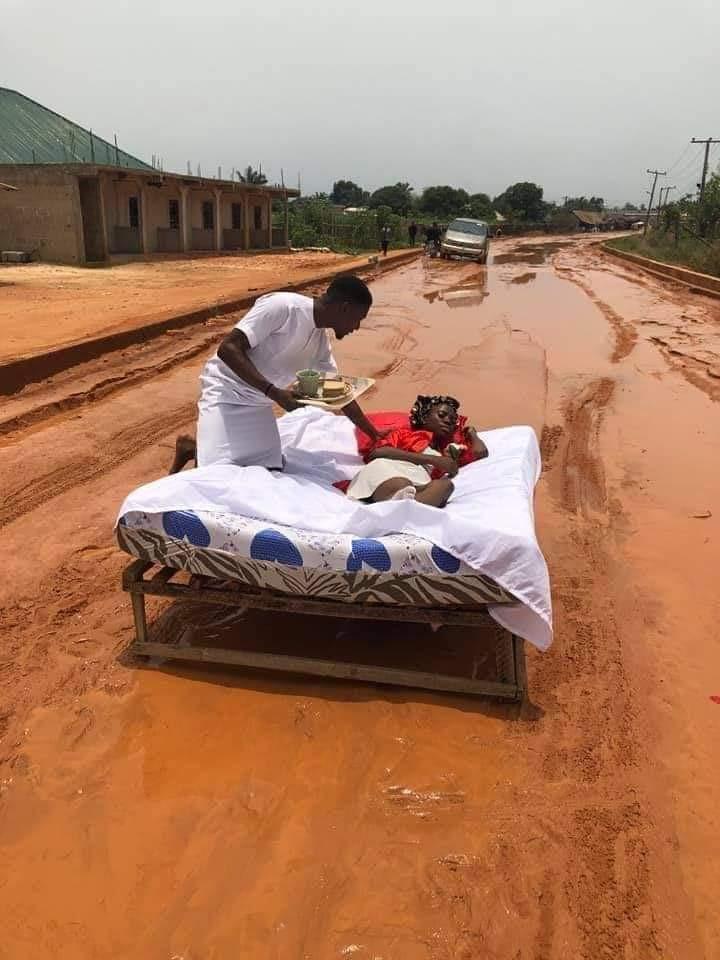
point(423, 405)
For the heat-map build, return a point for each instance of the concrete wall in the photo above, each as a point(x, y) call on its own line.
point(226, 202)
point(263, 204)
point(158, 214)
point(195, 202)
point(116, 195)
point(43, 216)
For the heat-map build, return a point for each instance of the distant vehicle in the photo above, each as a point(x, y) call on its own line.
point(466, 238)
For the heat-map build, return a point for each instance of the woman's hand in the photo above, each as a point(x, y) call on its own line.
point(478, 448)
point(284, 398)
point(448, 465)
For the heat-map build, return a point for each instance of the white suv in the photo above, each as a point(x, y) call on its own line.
point(466, 238)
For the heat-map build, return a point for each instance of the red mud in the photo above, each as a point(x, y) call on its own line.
point(207, 814)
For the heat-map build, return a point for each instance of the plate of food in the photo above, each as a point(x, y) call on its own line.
point(331, 391)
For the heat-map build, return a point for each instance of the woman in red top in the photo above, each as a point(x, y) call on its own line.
point(418, 463)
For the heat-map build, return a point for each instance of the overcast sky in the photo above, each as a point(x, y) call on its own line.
point(580, 97)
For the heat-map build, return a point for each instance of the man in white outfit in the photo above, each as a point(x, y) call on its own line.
point(257, 362)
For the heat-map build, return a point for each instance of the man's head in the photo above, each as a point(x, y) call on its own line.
point(345, 304)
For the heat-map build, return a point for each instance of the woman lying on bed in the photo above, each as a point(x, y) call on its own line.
point(419, 463)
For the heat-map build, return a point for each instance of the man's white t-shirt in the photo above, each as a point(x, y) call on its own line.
point(281, 331)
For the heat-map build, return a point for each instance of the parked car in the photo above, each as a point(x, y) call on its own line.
point(466, 238)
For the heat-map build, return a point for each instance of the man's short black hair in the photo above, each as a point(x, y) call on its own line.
point(347, 288)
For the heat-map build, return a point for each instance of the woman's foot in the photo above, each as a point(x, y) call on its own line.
point(185, 451)
point(436, 493)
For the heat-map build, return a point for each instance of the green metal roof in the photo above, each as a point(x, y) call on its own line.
point(30, 133)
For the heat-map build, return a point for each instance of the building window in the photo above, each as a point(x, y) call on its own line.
point(134, 212)
point(208, 215)
point(258, 218)
point(237, 216)
point(173, 214)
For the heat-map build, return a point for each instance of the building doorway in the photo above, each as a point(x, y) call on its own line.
point(92, 220)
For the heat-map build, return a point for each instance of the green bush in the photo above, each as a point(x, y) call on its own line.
point(318, 223)
point(689, 251)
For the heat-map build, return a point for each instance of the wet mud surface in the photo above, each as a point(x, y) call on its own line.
point(51, 305)
point(159, 811)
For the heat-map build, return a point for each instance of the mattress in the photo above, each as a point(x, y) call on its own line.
point(294, 532)
point(395, 569)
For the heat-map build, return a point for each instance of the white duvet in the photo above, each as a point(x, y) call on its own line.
point(488, 522)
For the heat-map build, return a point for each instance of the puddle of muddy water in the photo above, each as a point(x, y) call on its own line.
point(212, 809)
point(531, 253)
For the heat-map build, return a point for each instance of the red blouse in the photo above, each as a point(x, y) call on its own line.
point(403, 437)
point(416, 441)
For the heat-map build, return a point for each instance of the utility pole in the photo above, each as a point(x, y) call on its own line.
point(708, 141)
point(663, 203)
point(656, 173)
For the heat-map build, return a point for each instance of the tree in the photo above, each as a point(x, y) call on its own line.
point(398, 197)
point(444, 202)
point(709, 209)
point(522, 201)
point(480, 207)
point(345, 193)
point(561, 219)
point(583, 203)
point(629, 206)
point(248, 175)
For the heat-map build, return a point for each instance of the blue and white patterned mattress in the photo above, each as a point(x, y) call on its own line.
point(397, 568)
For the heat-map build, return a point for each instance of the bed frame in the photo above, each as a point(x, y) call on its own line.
point(509, 649)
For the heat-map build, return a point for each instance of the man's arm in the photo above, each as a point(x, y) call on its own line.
point(233, 352)
point(355, 414)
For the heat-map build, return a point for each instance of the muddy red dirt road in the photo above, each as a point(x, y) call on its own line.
point(161, 812)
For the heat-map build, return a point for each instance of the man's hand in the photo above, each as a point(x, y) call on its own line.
point(381, 434)
point(447, 464)
point(284, 398)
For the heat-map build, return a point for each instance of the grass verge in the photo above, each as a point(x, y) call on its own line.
point(689, 252)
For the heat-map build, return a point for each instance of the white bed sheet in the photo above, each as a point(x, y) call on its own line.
point(488, 523)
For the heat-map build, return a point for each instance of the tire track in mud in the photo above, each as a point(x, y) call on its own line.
point(47, 411)
point(625, 332)
point(590, 737)
point(74, 471)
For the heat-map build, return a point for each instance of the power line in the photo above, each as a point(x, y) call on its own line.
point(687, 147)
point(690, 163)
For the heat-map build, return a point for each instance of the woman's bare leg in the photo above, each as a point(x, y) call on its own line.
point(433, 494)
point(388, 489)
point(436, 493)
